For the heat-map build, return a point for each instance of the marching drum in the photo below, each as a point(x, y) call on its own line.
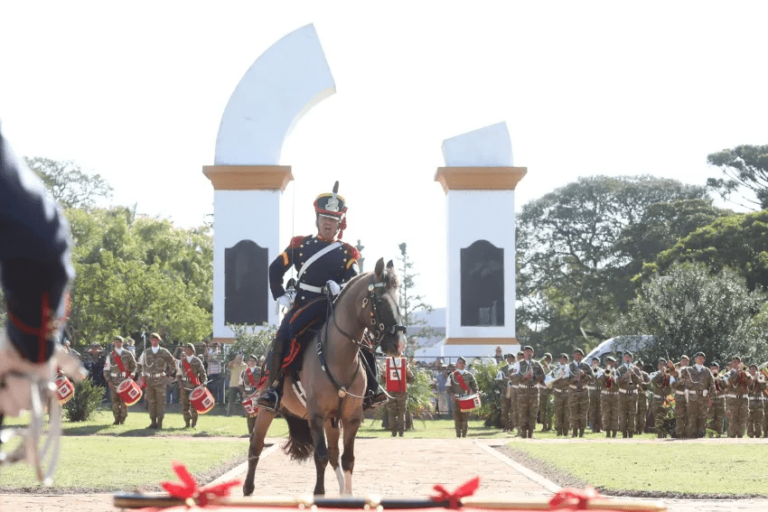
point(467, 403)
point(249, 404)
point(202, 399)
point(129, 391)
point(65, 390)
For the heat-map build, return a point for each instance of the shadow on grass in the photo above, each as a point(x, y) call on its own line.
point(84, 430)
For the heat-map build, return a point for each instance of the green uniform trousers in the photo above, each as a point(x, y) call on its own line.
point(562, 411)
point(642, 412)
point(155, 395)
point(737, 412)
point(716, 415)
point(506, 404)
point(460, 420)
point(627, 411)
point(578, 403)
point(119, 408)
point(595, 411)
point(396, 411)
point(698, 406)
point(514, 416)
point(765, 416)
point(756, 415)
point(190, 413)
point(681, 414)
point(659, 415)
point(546, 408)
point(610, 409)
point(528, 407)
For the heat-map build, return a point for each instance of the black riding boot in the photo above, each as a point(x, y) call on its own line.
point(270, 398)
point(374, 395)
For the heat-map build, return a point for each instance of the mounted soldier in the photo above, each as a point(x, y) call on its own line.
point(324, 264)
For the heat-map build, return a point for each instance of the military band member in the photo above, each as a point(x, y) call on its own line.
point(662, 388)
point(118, 366)
point(609, 397)
point(737, 398)
point(502, 380)
point(190, 374)
point(595, 415)
point(529, 375)
point(756, 390)
point(248, 382)
point(699, 386)
point(642, 398)
point(560, 392)
point(628, 381)
point(156, 365)
point(716, 413)
point(397, 406)
point(460, 383)
point(679, 372)
point(545, 397)
point(578, 400)
point(514, 411)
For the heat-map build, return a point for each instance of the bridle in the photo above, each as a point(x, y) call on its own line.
point(378, 326)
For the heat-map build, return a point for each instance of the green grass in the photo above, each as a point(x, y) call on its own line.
point(697, 468)
point(105, 464)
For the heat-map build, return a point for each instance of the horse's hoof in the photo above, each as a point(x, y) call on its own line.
point(248, 489)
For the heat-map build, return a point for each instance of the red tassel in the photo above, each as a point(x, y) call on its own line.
point(564, 498)
point(453, 499)
point(188, 487)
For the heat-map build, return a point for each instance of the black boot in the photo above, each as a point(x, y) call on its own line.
point(270, 398)
point(607, 433)
point(581, 432)
point(613, 434)
point(575, 432)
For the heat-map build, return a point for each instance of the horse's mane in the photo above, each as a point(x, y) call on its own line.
point(391, 280)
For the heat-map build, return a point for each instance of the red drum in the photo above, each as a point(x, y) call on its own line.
point(249, 404)
point(467, 403)
point(129, 391)
point(65, 390)
point(202, 399)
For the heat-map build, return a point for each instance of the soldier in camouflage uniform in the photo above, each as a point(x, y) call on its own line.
point(679, 372)
point(595, 414)
point(628, 380)
point(529, 375)
point(716, 413)
point(642, 398)
point(578, 399)
point(699, 386)
point(190, 374)
point(157, 366)
point(456, 390)
point(756, 414)
point(248, 382)
point(397, 406)
point(737, 398)
point(114, 376)
point(662, 388)
point(609, 398)
point(560, 391)
point(502, 379)
point(514, 412)
point(545, 398)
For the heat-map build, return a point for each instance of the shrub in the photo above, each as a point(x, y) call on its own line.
point(87, 399)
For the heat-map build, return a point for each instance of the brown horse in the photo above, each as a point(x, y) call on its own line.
point(334, 380)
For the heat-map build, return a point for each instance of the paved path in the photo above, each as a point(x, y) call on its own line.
point(389, 467)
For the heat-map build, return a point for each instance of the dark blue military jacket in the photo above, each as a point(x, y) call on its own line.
point(35, 268)
point(339, 265)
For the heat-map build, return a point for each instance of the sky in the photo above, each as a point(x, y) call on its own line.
point(135, 92)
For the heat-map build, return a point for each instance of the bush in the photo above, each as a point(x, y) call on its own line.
point(420, 394)
point(490, 393)
point(87, 399)
point(251, 339)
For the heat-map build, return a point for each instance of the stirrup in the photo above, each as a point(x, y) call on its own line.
point(373, 402)
point(269, 400)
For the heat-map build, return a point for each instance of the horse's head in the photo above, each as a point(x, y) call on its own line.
point(381, 313)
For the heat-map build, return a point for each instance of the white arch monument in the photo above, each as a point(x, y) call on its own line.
point(281, 86)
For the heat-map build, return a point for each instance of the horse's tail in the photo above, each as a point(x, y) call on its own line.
point(299, 445)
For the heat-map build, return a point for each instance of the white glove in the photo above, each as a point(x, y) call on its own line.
point(333, 287)
point(285, 301)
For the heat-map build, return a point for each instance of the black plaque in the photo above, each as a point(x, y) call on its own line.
point(246, 274)
point(482, 285)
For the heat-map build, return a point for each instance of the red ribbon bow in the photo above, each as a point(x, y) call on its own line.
point(565, 497)
point(465, 489)
point(188, 488)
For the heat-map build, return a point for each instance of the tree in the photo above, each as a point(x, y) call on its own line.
point(746, 173)
point(410, 302)
point(736, 241)
point(68, 184)
point(689, 310)
point(579, 246)
point(251, 340)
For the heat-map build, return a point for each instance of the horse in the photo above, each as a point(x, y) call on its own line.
point(333, 379)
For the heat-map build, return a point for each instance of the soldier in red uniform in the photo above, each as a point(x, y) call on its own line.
point(324, 264)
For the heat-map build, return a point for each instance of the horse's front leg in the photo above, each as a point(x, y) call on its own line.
point(316, 426)
point(351, 425)
point(263, 421)
point(332, 435)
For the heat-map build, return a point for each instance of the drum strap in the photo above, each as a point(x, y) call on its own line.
point(190, 374)
point(249, 373)
point(119, 362)
point(461, 382)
